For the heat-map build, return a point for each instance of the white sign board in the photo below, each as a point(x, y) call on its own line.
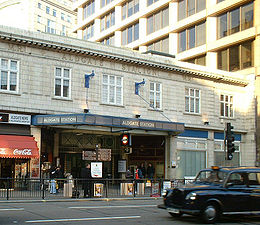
point(96, 169)
point(20, 119)
point(121, 166)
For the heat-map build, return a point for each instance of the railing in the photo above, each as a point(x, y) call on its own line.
point(73, 188)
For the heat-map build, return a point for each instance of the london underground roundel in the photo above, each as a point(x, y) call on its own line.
point(125, 139)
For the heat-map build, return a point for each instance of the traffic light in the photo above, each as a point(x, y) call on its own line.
point(230, 138)
point(125, 140)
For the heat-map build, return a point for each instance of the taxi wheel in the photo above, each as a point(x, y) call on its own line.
point(176, 215)
point(210, 213)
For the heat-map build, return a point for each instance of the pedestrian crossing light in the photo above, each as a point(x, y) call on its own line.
point(230, 138)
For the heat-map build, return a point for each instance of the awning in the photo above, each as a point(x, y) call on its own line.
point(12, 146)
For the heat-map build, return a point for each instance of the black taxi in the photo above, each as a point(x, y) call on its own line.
point(216, 191)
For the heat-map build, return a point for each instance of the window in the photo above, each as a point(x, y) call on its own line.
point(8, 75)
point(226, 106)
point(130, 8)
point(192, 37)
point(155, 95)
point(47, 9)
point(130, 34)
point(50, 27)
point(54, 12)
point(231, 22)
point(160, 46)
point(158, 21)
point(88, 32)
point(236, 57)
point(219, 154)
point(192, 100)
point(108, 41)
point(105, 2)
point(189, 7)
point(39, 19)
point(62, 16)
point(150, 2)
point(89, 9)
point(68, 19)
point(112, 90)
point(198, 60)
point(107, 21)
point(63, 30)
point(62, 82)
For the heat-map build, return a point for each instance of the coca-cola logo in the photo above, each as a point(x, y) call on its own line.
point(22, 152)
point(2, 151)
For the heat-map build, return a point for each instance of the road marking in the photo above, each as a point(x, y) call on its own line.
point(111, 206)
point(83, 219)
point(15, 209)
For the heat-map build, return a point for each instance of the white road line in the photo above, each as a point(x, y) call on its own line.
point(111, 206)
point(83, 219)
point(15, 209)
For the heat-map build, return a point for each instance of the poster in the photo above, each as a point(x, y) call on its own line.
point(98, 189)
point(96, 169)
point(121, 166)
point(35, 165)
point(130, 189)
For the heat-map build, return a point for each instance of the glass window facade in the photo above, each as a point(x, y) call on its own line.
point(107, 21)
point(88, 32)
point(236, 20)
point(158, 21)
point(187, 8)
point(130, 34)
point(236, 57)
point(108, 41)
point(160, 46)
point(89, 9)
point(201, 60)
point(192, 37)
point(130, 8)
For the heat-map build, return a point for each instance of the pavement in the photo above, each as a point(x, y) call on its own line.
point(75, 199)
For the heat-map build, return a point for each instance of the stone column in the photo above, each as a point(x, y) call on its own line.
point(170, 159)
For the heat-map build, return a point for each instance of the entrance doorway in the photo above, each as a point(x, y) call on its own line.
point(148, 149)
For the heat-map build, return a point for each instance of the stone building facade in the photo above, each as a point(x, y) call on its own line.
point(83, 95)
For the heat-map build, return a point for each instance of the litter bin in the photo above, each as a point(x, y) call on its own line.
point(68, 186)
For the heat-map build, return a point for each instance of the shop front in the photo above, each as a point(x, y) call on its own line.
point(19, 157)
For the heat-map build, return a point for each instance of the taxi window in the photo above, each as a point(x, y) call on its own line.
point(238, 179)
point(254, 179)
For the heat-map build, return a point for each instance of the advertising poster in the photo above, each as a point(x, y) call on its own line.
point(130, 189)
point(98, 189)
point(35, 165)
point(96, 169)
point(155, 188)
point(121, 166)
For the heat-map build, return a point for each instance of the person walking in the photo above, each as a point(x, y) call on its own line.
point(142, 168)
point(53, 175)
point(86, 176)
point(150, 171)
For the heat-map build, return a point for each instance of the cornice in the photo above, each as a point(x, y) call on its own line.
point(111, 54)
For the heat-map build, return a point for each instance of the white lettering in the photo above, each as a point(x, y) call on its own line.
point(22, 152)
point(130, 123)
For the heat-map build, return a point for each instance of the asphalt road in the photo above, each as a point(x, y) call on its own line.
point(119, 212)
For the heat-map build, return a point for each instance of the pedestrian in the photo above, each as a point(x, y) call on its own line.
point(150, 171)
point(58, 176)
point(86, 176)
point(53, 180)
point(142, 168)
point(128, 174)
